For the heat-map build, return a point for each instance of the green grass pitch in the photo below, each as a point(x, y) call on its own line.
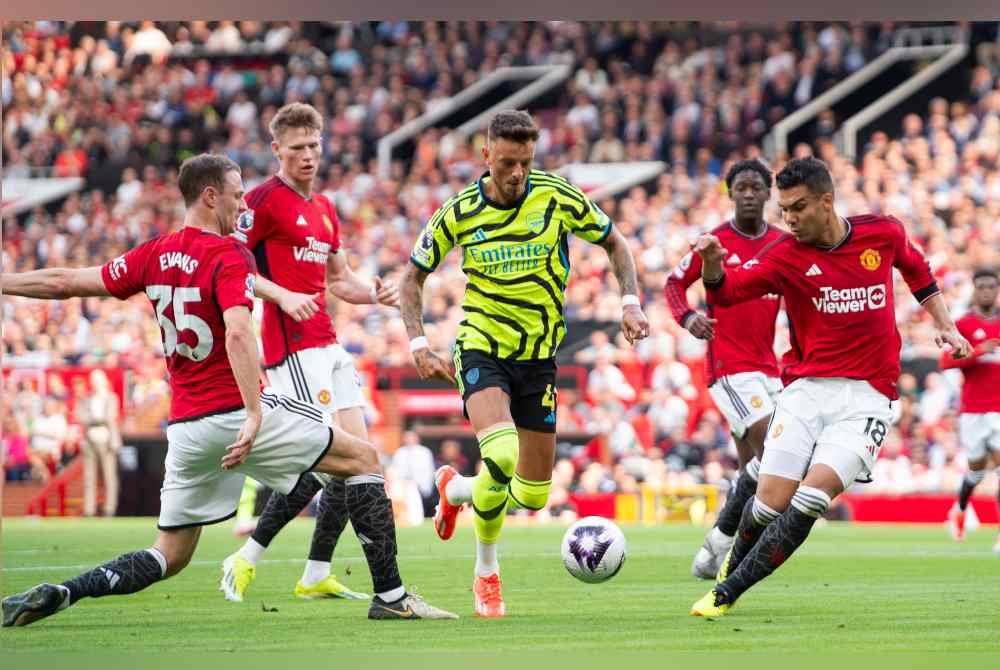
point(849, 589)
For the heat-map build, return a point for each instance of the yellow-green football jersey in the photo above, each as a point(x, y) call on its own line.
point(516, 260)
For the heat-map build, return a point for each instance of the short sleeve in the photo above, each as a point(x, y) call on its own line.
point(582, 217)
point(124, 276)
point(254, 225)
point(234, 280)
point(434, 242)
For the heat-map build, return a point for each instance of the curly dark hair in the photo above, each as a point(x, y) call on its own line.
point(514, 125)
point(753, 165)
point(809, 171)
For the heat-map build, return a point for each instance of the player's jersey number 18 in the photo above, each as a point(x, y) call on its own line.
point(165, 295)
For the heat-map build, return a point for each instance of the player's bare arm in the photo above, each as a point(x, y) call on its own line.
point(411, 305)
point(945, 331)
point(55, 283)
point(634, 322)
point(299, 306)
point(342, 282)
point(241, 348)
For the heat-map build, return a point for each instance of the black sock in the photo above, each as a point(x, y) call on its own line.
point(371, 516)
point(746, 536)
point(732, 511)
point(964, 493)
point(281, 509)
point(779, 540)
point(330, 521)
point(126, 574)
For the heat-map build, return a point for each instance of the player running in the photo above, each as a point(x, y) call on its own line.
point(222, 427)
point(741, 366)
point(513, 226)
point(979, 420)
point(840, 375)
point(294, 234)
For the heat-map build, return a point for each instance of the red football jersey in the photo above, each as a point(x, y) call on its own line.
point(744, 334)
point(839, 300)
point(981, 388)
point(291, 237)
point(191, 277)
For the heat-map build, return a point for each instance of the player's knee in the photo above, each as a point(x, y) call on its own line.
point(811, 501)
point(499, 449)
point(528, 494)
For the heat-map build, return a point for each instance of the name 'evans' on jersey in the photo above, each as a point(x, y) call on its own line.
point(516, 259)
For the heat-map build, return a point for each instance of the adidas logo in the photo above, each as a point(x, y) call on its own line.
point(479, 235)
point(734, 260)
point(301, 221)
point(814, 271)
point(112, 577)
point(551, 418)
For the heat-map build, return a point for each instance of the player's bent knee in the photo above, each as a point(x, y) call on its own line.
point(530, 495)
point(811, 501)
point(776, 492)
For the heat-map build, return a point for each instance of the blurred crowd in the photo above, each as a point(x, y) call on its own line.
point(121, 105)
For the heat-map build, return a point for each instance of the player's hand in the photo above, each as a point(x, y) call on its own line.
point(635, 326)
point(710, 249)
point(960, 347)
point(299, 306)
point(701, 326)
point(386, 293)
point(988, 347)
point(432, 366)
point(238, 451)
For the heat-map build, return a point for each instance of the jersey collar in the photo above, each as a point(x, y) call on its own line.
point(736, 229)
point(844, 240)
point(497, 205)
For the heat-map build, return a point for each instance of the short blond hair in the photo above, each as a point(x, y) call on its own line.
point(295, 115)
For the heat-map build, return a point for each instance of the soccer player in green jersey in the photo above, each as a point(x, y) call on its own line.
point(513, 225)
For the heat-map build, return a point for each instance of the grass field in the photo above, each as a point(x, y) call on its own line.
point(850, 589)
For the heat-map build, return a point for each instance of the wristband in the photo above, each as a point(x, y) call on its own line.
point(418, 343)
point(374, 295)
point(630, 299)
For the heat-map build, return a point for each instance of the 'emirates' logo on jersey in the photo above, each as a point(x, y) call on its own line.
point(871, 259)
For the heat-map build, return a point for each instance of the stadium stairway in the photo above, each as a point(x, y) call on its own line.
point(61, 496)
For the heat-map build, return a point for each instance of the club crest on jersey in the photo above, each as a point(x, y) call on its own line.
point(536, 222)
point(328, 223)
point(244, 224)
point(871, 259)
point(324, 397)
point(756, 402)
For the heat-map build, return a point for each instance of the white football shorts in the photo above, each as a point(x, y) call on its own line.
point(323, 376)
point(744, 399)
point(293, 438)
point(838, 422)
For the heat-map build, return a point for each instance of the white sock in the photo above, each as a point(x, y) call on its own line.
point(392, 596)
point(252, 551)
point(486, 559)
point(459, 490)
point(719, 537)
point(315, 572)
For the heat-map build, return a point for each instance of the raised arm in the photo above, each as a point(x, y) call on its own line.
point(634, 323)
point(55, 283)
point(675, 291)
point(757, 278)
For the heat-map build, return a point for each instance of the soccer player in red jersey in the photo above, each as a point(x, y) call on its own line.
point(294, 234)
point(979, 419)
point(222, 426)
point(741, 366)
point(840, 374)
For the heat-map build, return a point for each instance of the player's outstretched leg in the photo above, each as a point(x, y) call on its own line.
point(239, 569)
point(331, 519)
point(128, 573)
point(956, 515)
point(776, 544)
point(756, 517)
point(719, 539)
point(498, 446)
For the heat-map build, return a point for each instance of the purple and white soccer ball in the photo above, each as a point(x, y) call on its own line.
point(593, 549)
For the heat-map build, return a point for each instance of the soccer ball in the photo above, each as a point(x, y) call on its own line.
point(593, 549)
